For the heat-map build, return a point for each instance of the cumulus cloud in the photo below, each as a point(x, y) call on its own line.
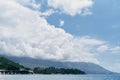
point(72, 7)
point(47, 13)
point(61, 23)
point(30, 3)
point(25, 33)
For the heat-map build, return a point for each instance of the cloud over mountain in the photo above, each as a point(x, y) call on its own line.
point(24, 32)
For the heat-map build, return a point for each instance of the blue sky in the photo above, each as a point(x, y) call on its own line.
point(62, 30)
point(103, 24)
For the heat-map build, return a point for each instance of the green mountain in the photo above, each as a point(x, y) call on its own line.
point(6, 64)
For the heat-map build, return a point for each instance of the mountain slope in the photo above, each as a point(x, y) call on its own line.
point(89, 68)
point(6, 64)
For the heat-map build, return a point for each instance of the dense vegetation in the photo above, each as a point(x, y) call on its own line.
point(6, 64)
point(53, 70)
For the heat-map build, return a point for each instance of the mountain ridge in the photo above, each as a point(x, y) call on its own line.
point(89, 68)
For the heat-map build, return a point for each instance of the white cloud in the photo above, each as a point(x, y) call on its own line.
point(61, 23)
point(102, 48)
point(23, 32)
point(115, 49)
point(29, 3)
point(47, 13)
point(72, 7)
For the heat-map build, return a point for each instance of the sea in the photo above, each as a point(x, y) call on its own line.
point(60, 77)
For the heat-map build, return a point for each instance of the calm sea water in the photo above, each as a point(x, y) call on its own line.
point(59, 77)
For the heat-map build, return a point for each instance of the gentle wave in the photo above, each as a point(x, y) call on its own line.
point(59, 77)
